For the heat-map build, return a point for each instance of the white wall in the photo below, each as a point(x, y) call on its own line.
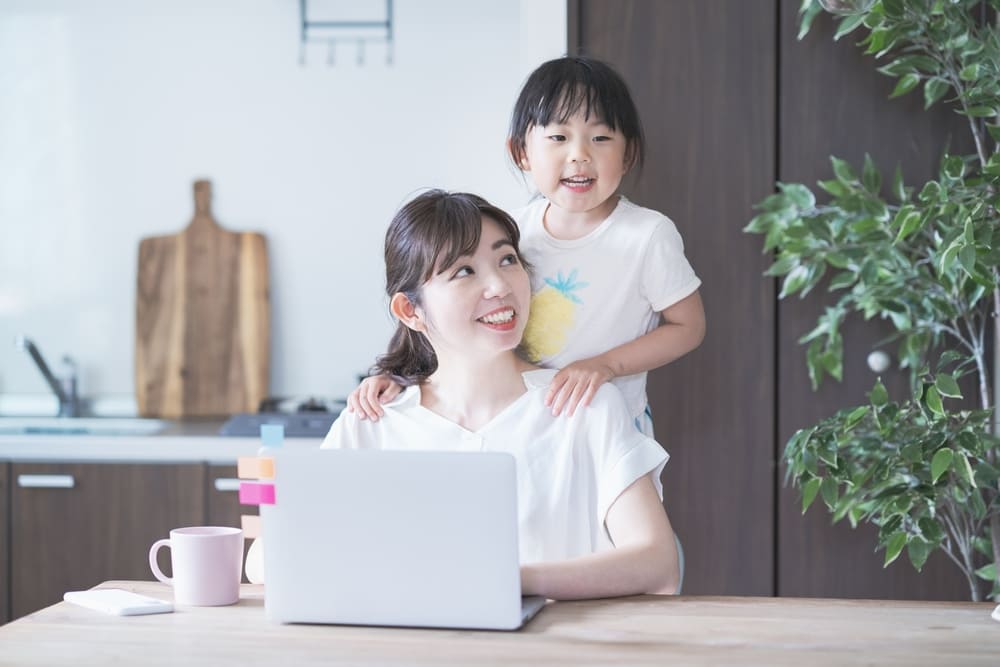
point(110, 109)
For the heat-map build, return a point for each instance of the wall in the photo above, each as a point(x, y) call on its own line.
point(109, 110)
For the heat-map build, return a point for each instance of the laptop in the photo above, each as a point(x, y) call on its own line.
point(394, 538)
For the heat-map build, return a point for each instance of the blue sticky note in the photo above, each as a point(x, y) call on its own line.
point(272, 434)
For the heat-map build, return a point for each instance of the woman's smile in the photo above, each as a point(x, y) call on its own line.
point(501, 319)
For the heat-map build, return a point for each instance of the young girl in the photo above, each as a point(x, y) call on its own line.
point(591, 519)
point(613, 294)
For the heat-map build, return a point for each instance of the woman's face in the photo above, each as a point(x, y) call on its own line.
point(478, 305)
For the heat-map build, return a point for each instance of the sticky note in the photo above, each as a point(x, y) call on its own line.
point(255, 467)
point(256, 493)
point(250, 523)
point(272, 434)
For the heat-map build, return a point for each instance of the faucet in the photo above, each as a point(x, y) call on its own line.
point(64, 387)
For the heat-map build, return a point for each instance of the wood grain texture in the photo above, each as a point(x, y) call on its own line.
point(834, 102)
point(72, 539)
point(202, 319)
point(647, 630)
point(703, 76)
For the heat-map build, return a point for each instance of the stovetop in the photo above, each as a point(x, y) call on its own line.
point(302, 417)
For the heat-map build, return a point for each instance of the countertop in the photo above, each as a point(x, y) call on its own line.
point(643, 630)
point(180, 442)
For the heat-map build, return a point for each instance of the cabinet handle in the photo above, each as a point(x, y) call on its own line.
point(227, 484)
point(46, 481)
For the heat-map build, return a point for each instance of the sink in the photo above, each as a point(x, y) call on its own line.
point(80, 426)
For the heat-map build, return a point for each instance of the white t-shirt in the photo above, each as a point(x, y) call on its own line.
point(570, 470)
point(592, 294)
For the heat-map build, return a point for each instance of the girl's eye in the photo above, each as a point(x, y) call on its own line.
point(508, 260)
point(557, 137)
point(602, 138)
point(462, 272)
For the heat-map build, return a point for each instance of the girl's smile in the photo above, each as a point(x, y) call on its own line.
point(577, 164)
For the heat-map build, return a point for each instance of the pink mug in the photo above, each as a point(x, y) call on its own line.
point(206, 561)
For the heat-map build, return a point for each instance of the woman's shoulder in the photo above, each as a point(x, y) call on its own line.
point(608, 397)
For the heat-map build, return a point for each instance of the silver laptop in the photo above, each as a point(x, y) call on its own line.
point(398, 538)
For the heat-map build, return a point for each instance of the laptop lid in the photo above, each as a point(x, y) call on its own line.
point(405, 538)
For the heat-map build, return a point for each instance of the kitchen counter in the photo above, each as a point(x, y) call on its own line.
point(180, 442)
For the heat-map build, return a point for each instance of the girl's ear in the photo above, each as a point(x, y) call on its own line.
point(404, 311)
point(630, 155)
point(520, 160)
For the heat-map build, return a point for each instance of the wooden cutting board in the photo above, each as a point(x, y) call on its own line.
point(202, 325)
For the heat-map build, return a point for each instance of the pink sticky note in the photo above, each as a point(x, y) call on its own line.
point(256, 493)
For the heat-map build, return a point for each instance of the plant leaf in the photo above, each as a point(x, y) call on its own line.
point(906, 83)
point(933, 400)
point(893, 547)
point(879, 396)
point(947, 386)
point(941, 462)
point(809, 490)
point(934, 90)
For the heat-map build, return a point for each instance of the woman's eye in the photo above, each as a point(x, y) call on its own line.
point(462, 272)
point(508, 260)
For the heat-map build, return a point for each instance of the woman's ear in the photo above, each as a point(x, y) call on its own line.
point(404, 311)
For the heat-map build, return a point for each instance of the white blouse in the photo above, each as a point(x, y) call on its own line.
point(570, 470)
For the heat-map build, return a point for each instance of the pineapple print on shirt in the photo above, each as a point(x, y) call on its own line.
point(552, 314)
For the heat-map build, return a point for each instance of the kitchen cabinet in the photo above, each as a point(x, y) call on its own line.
point(74, 525)
point(4, 542)
point(224, 507)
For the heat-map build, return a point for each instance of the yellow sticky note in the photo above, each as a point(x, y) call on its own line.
point(255, 467)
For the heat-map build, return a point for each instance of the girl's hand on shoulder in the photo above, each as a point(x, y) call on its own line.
point(371, 394)
point(576, 384)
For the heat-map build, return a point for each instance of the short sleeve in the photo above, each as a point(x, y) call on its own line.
point(623, 454)
point(667, 276)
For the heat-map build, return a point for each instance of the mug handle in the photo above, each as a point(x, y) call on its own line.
point(154, 566)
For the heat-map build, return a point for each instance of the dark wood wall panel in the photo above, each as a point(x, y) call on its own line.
point(833, 102)
point(703, 77)
point(4, 542)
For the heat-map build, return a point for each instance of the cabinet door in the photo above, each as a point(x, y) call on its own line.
point(702, 74)
point(224, 507)
point(4, 542)
point(76, 525)
point(833, 102)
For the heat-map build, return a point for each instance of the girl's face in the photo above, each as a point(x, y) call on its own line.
point(478, 305)
point(577, 165)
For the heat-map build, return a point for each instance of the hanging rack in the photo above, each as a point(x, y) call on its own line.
point(331, 32)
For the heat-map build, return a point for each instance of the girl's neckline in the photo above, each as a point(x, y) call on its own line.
point(498, 417)
point(589, 236)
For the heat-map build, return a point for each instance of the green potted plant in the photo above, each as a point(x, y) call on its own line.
point(926, 258)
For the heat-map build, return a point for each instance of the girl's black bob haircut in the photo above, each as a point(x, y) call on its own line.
point(560, 88)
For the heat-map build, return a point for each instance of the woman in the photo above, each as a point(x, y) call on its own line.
point(591, 519)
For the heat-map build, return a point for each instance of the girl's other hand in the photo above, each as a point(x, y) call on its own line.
point(371, 394)
point(576, 384)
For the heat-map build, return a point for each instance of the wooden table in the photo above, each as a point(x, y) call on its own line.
point(646, 630)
